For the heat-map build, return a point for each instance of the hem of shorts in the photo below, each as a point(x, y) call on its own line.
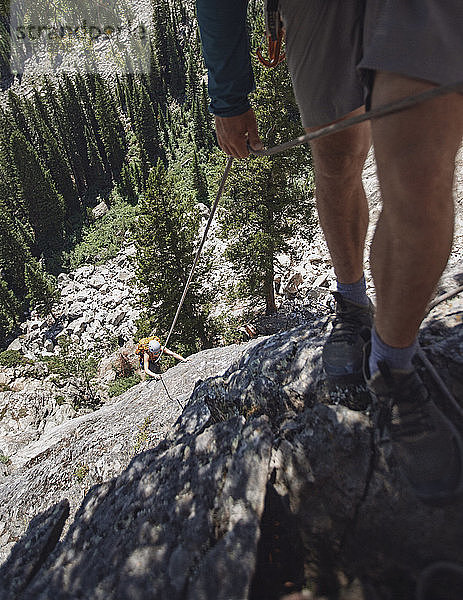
point(325, 119)
point(442, 77)
point(367, 70)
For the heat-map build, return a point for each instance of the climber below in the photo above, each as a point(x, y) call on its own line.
point(149, 350)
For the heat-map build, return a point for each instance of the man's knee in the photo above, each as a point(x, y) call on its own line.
point(341, 156)
point(415, 149)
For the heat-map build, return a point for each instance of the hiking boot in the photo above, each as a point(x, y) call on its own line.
point(427, 447)
point(342, 355)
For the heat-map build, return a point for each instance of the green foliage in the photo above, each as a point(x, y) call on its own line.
point(170, 60)
point(44, 206)
point(147, 128)
point(13, 358)
point(165, 235)
point(9, 310)
point(227, 329)
point(72, 120)
point(60, 173)
point(199, 182)
point(142, 439)
point(77, 138)
point(110, 127)
point(122, 384)
point(42, 292)
point(17, 105)
point(132, 182)
point(81, 472)
point(103, 239)
point(269, 198)
point(14, 250)
point(4, 459)
point(79, 367)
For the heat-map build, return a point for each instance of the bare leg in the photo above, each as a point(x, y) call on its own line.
point(415, 153)
point(341, 202)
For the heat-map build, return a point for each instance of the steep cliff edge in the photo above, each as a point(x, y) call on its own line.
point(261, 483)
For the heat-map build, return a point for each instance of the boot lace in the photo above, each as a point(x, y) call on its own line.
point(348, 322)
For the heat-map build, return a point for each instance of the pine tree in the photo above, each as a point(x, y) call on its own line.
point(98, 178)
point(40, 107)
point(157, 88)
point(165, 237)
point(55, 159)
point(199, 181)
point(270, 197)
point(130, 184)
point(110, 127)
point(199, 126)
point(10, 309)
point(147, 128)
point(169, 54)
point(74, 120)
point(9, 189)
point(192, 82)
point(14, 251)
point(45, 207)
point(99, 167)
point(41, 288)
point(60, 123)
point(17, 110)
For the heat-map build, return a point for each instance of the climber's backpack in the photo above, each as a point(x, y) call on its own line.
point(143, 346)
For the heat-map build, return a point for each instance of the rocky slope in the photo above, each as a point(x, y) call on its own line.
point(96, 312)
point(51, 452)
point(262, 481)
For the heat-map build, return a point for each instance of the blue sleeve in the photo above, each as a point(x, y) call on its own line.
point(222, 24)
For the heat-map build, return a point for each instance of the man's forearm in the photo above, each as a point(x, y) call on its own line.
point(226, 54)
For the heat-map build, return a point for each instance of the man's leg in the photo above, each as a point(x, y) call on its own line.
point(415, 153)
point(341, 202)
point(343, 213)
point(327, 88)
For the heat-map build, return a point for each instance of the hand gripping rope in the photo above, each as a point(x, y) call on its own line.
point(375, 113)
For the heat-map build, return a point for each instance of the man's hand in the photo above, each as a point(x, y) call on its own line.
point(234, 134)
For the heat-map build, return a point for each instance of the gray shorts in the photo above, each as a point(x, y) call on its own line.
point(333, 48)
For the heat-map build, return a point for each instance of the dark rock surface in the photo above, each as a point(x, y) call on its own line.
point(263, 484)
point(173, 525)
point(34, 548)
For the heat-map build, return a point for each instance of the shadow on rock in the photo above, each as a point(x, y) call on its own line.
point(263, 487)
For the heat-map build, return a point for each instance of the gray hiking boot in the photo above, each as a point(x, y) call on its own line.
point(427, 447)
point(342, 355)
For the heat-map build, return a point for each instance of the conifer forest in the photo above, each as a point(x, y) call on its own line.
point(145, 144)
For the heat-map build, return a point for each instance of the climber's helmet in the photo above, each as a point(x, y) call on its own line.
point(154, 347)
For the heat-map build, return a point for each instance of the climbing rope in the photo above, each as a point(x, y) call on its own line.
point(195, 262)
point(428, 364)
point(375, 113)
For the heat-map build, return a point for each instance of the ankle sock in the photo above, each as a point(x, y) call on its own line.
point(396, 358)
point(355, 292)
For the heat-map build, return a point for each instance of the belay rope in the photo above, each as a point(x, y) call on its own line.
point(193, 266)
point(375, 113)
